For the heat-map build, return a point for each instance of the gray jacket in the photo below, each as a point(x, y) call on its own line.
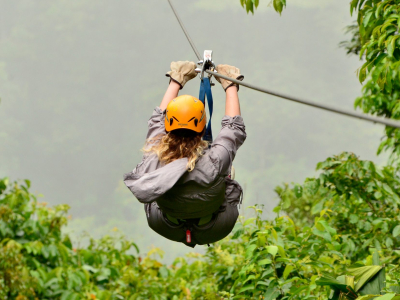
point(183, 194)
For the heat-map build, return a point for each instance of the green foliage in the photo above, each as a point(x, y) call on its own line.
point(354, 45)
point(39, 262)
point(377, 35)
point(251, 5)
point(363, 205)
point(327, 251)
point(363, 198)
point(278, 5)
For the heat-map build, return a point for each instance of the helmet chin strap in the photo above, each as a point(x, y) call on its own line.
point(205, 90)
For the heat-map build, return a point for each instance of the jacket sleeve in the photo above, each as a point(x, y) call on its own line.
point(231, 137)
point(156, 124)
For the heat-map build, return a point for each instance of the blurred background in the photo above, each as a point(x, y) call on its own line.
point(79, 80)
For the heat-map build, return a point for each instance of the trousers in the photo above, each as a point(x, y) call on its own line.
point(220, 225)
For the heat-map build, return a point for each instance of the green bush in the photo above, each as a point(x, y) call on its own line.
point(346, 244)
point(38, 262)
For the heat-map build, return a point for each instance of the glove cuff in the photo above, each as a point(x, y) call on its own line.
point(177, 77)
point(230, 83)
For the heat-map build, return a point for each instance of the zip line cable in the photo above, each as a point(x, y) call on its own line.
point(185, 31)
point(340, 111)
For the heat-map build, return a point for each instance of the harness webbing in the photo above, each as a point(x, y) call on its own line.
point(205, 90)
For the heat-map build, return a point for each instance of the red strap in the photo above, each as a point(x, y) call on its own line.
point(188, 236)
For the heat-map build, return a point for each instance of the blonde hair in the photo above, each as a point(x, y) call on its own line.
point(177, 144)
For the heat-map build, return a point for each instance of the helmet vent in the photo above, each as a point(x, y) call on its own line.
point(196, 122)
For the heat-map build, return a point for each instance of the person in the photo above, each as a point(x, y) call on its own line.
point(186, 183)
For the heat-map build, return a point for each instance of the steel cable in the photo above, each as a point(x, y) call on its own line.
point(185, 31)
point(341, 111)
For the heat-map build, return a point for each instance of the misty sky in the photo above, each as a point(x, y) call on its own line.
point(79, 79)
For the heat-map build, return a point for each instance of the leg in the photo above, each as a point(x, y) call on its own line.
point(162, 225)
point(218, 228)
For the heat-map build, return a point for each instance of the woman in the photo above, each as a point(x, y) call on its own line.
point(185, 183)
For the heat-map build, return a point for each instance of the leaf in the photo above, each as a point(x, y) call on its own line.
point(389, 243)
point(367, 18)
point(163, 272)
point(353, 5)
point(387, 189)
point(89, 268)
point(249, 251)
point(277, 209)
point(379, 9)
point(256, 3)
point(286, 203)
point(317, 207)
point(288, 270)
point(104, 274)
point(272, 250)
point(264, 262)
point(386, 297)
point(396, 231)
point(311, 187)
point(51, 282)
point(374, 285)
point(28, 183)
point(327, 279)
point(272, 292)
point(237, 234)
point(378, 194)
point(325, 235)
point(328, 228)
point(67, 295)
point(278, 6)
point(363, 72)
point(298, 190)
point(274, 234)
point(246, 288)
point(248, 221)
point(353, 219)
point(390, 49)
point(249, 6)
point(281, 251)
point(392, 45)
point(363, 275)
point(367, 297)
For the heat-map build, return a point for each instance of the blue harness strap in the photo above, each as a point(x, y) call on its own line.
point(205, 90)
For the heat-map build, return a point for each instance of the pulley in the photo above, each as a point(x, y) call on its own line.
point(206, 64)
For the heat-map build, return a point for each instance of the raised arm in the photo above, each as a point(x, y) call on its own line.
point(232, 106)
point(171, 93)
point(181, 72)
point(233, 131)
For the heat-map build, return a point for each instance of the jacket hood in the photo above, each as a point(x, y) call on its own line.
point(152, 185)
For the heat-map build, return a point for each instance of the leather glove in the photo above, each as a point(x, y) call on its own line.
point(182, 71)
point(229, 71)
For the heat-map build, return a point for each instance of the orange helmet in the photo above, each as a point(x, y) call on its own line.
point(185, 112)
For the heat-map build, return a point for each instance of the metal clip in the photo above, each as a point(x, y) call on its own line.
point(206, 64)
